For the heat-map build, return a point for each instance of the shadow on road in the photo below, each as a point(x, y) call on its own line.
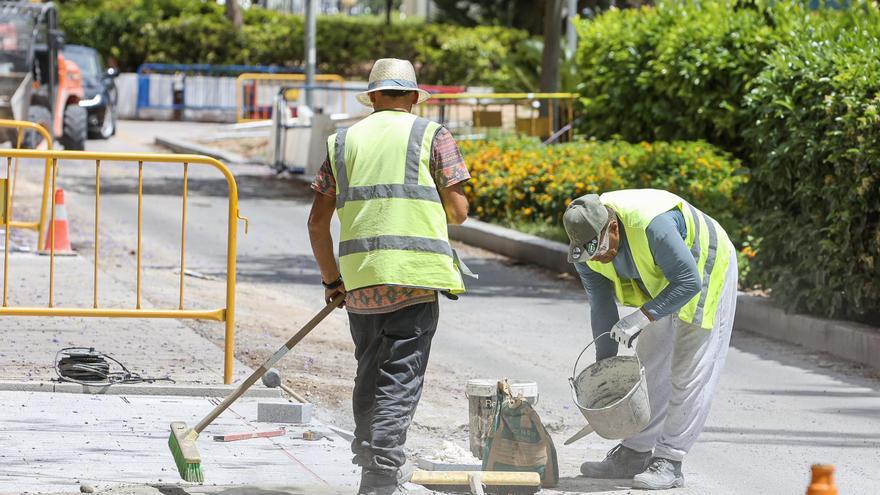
point(249, 186)
point(273, 269)
point(506, 279)
point(818, 393)
point(496, 279)
point(804, 438)
point(854, 378)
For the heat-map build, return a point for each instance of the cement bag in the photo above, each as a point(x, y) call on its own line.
point(518, 440)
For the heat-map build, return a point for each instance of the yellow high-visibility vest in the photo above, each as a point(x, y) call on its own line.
point(393, 223)
point(708, 242)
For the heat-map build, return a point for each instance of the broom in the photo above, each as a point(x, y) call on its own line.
point(182, 441)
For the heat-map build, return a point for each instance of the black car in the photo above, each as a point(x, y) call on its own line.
point(99, 88)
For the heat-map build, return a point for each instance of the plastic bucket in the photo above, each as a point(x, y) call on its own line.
point(613, 395)
point(481, 394)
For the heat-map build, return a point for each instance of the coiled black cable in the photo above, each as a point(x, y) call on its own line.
point(86, 366)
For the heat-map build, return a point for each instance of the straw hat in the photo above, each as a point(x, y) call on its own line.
point(392, 73)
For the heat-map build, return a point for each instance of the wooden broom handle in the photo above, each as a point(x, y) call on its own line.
point(256, 375)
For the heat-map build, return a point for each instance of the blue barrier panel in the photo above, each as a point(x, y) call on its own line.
point(218, 102)
point(215, 70)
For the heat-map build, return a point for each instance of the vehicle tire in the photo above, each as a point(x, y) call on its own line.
point(107, 128)
point(39, 115)
point(76, 127)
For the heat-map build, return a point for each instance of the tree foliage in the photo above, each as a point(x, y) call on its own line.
point(133, 32)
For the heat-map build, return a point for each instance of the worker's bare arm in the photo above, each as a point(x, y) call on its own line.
point(455, 203)
point(320, 237)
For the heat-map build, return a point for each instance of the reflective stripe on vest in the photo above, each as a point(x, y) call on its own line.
point(393, 222)
point(398, 242)
point(706, 239)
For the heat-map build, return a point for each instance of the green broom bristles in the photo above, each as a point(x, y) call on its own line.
point(182, 443)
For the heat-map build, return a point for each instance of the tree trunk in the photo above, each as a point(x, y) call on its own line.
point(389, 4)
point(552, 52)
point(233, 13)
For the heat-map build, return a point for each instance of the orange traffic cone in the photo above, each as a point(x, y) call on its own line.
point(59, 230)
point(822, 482)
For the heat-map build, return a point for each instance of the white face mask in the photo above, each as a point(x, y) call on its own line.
point(603, 243)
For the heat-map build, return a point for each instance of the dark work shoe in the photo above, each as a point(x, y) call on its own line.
point(620, 463)
point(661, 474)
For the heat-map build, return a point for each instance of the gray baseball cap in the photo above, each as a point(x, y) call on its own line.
point(584, 219)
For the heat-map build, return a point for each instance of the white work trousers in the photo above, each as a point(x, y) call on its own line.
point(683, 363)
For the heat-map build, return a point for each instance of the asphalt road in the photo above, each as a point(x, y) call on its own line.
point(778, 408)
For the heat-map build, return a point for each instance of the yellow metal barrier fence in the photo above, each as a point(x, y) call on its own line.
point(255, 92)
point(480, 116)
point(21, 127)
point(225, 314)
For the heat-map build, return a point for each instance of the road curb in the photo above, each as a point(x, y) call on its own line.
point(182, 146)
point(138, 389)
point(844, 339)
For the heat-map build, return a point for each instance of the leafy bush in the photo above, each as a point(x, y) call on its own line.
point(675, 72)
point(518, 180)
point(816, 167)
point(191, 31)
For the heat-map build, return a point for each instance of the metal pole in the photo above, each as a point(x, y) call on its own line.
point(571, 35)
point(311, 13)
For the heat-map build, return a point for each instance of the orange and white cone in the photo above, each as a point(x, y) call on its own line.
point(822, 480)
point(59, 229)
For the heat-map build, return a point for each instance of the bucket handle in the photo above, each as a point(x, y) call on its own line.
point(574, 369)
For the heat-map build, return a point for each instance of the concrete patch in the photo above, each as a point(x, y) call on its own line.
point(139, 389)
point(50, 443)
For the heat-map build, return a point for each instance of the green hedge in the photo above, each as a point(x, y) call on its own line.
point(791, 91)
point(519, 180)
point(191, 31)
point(675, 72)
point(816, 168)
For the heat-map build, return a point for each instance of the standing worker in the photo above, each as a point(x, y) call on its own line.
point(652, 250)
point(395, 181)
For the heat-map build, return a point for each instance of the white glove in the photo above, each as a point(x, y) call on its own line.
point(628, 327)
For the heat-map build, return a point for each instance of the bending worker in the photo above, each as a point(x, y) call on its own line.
point(652, 250)
point(395, 181)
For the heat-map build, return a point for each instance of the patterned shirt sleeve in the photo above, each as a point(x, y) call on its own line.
point(447, 164)
point(324, 182)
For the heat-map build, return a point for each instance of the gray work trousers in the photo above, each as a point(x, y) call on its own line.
point(392, 353)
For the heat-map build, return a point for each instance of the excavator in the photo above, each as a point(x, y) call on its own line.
point(36, 82)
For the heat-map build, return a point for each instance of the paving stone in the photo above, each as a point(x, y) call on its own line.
point(286, 412)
